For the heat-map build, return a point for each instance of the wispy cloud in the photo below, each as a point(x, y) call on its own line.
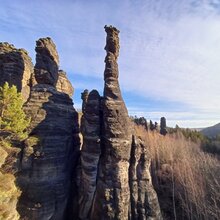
point(169, 49)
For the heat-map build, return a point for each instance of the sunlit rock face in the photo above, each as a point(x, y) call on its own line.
point(112, 199)
point(63, 84)
point(16, 68)
point(109, 177)
point(119, 174)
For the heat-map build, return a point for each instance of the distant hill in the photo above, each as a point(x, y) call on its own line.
point(211, 131)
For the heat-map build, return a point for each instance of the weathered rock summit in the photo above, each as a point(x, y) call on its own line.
point(47, 62)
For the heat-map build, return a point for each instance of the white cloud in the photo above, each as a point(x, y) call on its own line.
point(169, 49)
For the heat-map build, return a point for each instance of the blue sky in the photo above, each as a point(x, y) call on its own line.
point(169, 58)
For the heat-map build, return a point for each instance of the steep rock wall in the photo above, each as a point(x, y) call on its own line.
point(16, 68)
point(112, 193)
point(122, 185)
point(90, 153)
point(63, 84)
point(144, 202)
point(51, 151)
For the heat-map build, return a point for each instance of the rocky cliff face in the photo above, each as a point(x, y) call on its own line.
point(91, 151)
point(51, 150)
point(112, 194)
point(63, 84)
point(15, 68)
point(113, 165)
point(47, 62)
point(144, 202)
point(50, 153)
point(109, 177)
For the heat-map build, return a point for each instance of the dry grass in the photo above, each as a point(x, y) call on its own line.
point(187, 179)
point(8, 190)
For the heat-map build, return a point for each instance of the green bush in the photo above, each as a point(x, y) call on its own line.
point(12, 116)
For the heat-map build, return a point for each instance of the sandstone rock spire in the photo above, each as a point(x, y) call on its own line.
point(51, 151)
point(112, 199)
point(90, 153)
point(47, 62)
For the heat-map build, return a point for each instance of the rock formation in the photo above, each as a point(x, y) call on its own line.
point(112, 199)
point(47, 62)
point(15, 68)
point(144, 202)
point(51, 150)
point(63, 84)
point(91, 151)
point(110, 177)
point(163, 126)
point(113, 166)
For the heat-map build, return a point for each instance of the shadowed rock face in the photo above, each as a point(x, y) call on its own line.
point(50, 154)
point(47, 62)
point(112, 199)
point(63, 84)
point(144, 202)
point(15, 68)
point(90, 153)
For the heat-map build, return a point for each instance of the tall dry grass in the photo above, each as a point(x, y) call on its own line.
point(186, 179)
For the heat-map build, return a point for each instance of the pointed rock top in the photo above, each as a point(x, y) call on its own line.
point(47, 46)
point(112, 41)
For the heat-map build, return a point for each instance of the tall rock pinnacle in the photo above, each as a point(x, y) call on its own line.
point(51, 150)
point(91, 151)
point(47, 62)
point(112, 193)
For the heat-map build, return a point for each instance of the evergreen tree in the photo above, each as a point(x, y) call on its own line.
point(12, 116)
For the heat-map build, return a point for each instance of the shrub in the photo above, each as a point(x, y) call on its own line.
point(13, 123)
point(12, 116)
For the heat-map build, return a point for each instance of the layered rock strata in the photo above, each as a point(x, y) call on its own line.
point(51, 150)
point(63, 84)
point(112, 199)
point(47, 62)
point(91, 151)
point(15, 68)
point(144, 202)
point(116, 168)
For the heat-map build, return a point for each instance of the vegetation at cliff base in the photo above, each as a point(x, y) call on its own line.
point(12, 116)
point(13, 123)
point(185, 177)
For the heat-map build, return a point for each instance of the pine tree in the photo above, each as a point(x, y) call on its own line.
point(12, 116)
